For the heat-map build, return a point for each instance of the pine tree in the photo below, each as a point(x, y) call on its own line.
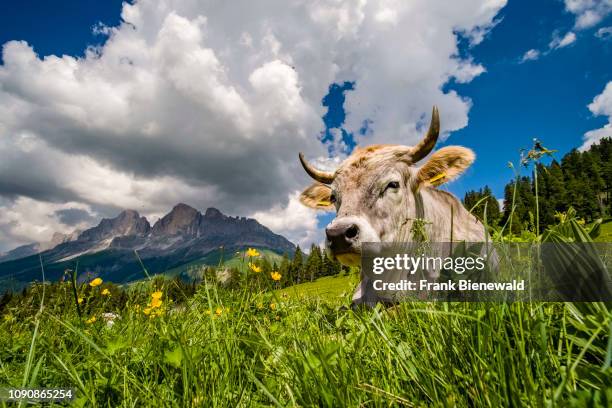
point(313, 263)
point(297, 265)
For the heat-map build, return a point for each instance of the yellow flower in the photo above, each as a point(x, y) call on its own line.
point(155, 303)
point(105, 292)
point(95, 282)
point(252, 252)
point(157, 295)
point(207, 312)
point(254, 267)
point(219, 311)
point(273, 306)
point(147, 311)
point(80, 300)
point(91, 320)
point(276, 276)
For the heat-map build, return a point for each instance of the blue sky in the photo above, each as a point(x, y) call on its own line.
point(512, 102)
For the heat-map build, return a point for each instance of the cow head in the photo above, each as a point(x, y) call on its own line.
point(375, 190)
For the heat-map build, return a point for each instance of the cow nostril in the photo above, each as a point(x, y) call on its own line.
point(351, 232)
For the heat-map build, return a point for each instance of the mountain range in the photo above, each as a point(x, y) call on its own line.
point(181, 237)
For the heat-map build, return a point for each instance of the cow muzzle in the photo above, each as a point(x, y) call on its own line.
point(344, 238)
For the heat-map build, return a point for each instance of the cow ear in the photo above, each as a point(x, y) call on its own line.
point(317, 196)
point(445, 165)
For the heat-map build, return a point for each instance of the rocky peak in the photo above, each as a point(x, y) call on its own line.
point(128, 222)
point(182, 219)
point(57, 239)
point(213, 213)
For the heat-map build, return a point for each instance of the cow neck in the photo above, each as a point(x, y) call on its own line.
point(419, 213)
point(418, 205)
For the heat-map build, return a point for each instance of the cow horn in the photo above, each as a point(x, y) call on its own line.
point(429, 141)
point(324, 177)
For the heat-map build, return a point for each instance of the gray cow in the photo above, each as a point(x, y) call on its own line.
point(378, 194)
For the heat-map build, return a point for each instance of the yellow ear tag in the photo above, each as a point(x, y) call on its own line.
point(324, 203)
point(437, 179)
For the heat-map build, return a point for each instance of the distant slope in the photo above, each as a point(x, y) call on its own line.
point(230, 260)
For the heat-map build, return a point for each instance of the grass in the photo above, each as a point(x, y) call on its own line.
point(329, 288)
point(606, 231)
point(297, 347)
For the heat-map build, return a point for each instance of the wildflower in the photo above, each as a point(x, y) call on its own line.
point(147, 311)
point(252, 253)
point(105, 292)
point(219, 311)
point(157, 295)
point(95, 282)
point(156, 303)
point(273, 306)
point(91, 320)
point(110, 318)
point(254, 267)
point(207, 312)
point(80, 300)
point(276, 276)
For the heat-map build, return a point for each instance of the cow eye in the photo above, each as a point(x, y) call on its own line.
point(393, 184)
point(332, 198)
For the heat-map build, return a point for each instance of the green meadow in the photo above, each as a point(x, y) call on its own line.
point(209, 346)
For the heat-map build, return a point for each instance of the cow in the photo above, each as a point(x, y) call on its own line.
point(379, 194)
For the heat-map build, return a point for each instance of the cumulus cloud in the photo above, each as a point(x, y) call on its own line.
point(588, 12)
point(530, 55)
point(601, 105)
point(186, 101)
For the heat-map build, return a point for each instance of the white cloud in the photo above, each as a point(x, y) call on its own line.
point(604, 33)
point(556, 43)
point(588, 13)
point(210, 105)
point(530, 55)
point(294, 221)
point(500, 201)
point(560, 42)
point(25, 218)
point(601, 105)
